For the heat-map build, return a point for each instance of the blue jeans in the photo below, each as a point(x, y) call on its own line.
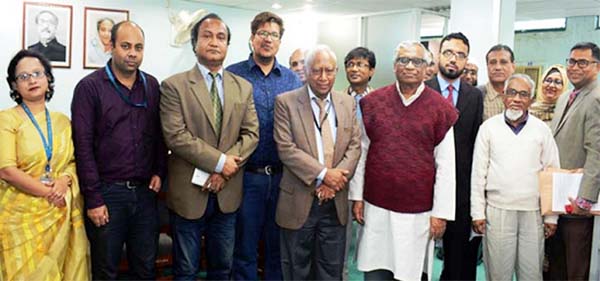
point(133, 220)
point(219, 233)
point(256, 220)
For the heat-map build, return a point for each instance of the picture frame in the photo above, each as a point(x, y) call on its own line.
point(47, 29)
point(98, 23)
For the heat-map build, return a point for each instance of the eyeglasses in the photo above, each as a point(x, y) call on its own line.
point(470, 71)
point(582, 63)
point(23, 77)
point(297, 63)
point(265, 34)
point(359, 64)
point(329, 72)
point(404, 61)
point(449, 54)
point(556, 82)
point(510, 92)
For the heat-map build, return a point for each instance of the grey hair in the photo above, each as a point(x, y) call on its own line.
point(411, 43)
point(310, 56)
point(524, 77)
point(54, 17)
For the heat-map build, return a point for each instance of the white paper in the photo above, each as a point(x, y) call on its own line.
point(564, 186)
point(200, 177)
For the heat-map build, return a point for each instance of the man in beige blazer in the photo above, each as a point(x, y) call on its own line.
point(318, 140)
point(576, 127)
point(209, 123)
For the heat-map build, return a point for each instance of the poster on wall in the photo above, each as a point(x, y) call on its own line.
point(47, 29)
point(98, 23)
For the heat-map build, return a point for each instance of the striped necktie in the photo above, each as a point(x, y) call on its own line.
point(216, 102)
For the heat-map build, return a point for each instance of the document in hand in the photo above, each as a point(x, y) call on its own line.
point(556, 186)
point(200, 177)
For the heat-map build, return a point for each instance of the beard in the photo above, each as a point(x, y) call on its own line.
point(513, 114)
point(451, 74)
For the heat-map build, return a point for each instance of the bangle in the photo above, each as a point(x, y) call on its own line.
point(583, 203)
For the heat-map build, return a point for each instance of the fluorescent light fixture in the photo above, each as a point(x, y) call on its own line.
point(559, 23)
point(276, 6)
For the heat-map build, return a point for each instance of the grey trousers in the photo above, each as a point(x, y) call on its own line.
point(513, 242)
point(316, 250)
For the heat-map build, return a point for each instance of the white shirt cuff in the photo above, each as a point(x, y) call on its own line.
point(221, 163)
point(321, 175)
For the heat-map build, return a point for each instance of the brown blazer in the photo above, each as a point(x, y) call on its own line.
point(295, 137)
point(189, 131)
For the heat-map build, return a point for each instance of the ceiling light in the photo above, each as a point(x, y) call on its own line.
point(276, 6)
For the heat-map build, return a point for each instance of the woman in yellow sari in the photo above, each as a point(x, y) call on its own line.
point(42, 233)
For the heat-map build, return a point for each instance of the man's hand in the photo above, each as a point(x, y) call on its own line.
point(336, 178)
point(479, 226)
point(99, 216)
point(358, 209)
point(155, 183)
point(214, 183)
point(576, 210)
point(549, 229)
point(324, 193)
point(437, 227)
point(231, 165)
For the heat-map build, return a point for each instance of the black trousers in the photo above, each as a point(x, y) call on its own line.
point(569, 250)
point(460, 254)
point(316, 250)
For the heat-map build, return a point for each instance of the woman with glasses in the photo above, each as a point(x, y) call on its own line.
point(42, 234)
point(549, 90)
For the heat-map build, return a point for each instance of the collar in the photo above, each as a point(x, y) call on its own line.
point(138, 79)
point(444, 84)
point(353, 93)
point(312, 95)
point(520, 124)
point(410, 100)
point(490, 91)
point(252, 64)
point(205, 72)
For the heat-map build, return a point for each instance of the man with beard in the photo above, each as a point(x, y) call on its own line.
point(460, 254)
point(500, 61)
point(470, 74)
point(47, 22)
point(256, 217)
point(510, 150)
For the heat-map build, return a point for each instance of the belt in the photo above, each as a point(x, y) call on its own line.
point(131, 184)
point(267, 170)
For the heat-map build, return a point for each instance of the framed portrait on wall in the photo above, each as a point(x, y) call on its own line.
point(98, 23)
point(47, 29)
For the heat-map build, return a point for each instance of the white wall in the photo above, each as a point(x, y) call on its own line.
point(160, 59)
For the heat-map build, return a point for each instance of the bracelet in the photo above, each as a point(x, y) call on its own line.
point(583, 203)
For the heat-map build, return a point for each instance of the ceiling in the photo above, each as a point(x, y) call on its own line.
point(526, 9)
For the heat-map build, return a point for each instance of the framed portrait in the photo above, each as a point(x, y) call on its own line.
point(47, 29)
point(98, 23)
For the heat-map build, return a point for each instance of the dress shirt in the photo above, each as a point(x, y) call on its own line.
point(332, 124)
point(265, 89)
point(115, 141)
point(444, 87)
point(516, 129)
point(208, 79)
point(357, 97)
point(492, 101)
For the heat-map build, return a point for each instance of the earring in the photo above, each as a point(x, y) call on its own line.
point(48, 94)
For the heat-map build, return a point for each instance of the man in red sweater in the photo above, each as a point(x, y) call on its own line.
point(407, 166)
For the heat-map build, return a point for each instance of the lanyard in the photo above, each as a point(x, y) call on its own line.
point(111, 77)
point(47, 143)
point(320, 124)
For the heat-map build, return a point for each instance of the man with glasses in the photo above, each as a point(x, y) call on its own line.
point(469, 75)
point(210, 124)
point(297, 63)
point(500, 65)
point(121, 157)
point(405, 176)
point(460, 252)
point(318, 139)
point(576, 126)
point(256, 216)
point(510, 150)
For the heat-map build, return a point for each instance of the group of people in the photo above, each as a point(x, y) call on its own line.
point(259, 151)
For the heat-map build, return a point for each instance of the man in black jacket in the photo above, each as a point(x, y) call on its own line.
point(460, 252)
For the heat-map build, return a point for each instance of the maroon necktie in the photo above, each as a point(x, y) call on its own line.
point(572, 97)
point(450, 97)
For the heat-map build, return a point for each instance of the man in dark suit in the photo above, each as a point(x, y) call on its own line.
point(460, 253)
point(47, 22)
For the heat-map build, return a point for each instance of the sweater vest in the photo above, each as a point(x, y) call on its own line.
point(400, 167)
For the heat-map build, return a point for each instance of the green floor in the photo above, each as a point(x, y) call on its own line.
point(355, 274)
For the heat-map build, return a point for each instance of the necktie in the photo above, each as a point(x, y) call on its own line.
point(450, 97)
point(326, 136)
point(357, 98)
point(572, 97)
point(216, 102)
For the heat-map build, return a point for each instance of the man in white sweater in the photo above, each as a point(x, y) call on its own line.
point(510, 150)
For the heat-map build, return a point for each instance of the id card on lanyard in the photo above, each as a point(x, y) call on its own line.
point(126, 99)
point(46, 178)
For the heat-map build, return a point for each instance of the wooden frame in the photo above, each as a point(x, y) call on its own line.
point(96, 33)
point(47, 28)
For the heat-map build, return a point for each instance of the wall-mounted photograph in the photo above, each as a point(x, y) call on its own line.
point(47, 29)
point(98, 23)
